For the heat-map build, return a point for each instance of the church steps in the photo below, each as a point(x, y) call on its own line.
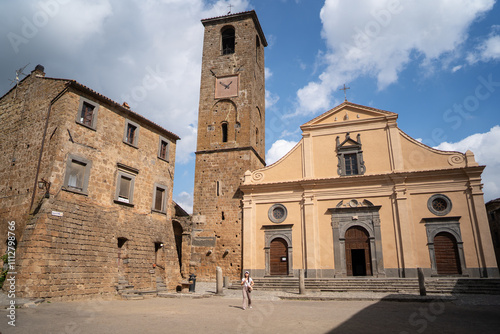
point(387, 285)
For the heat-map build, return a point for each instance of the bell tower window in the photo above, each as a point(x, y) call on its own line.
point(224, 132)
point(228, 40)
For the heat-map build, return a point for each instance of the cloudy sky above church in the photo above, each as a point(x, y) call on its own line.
point(434, 62)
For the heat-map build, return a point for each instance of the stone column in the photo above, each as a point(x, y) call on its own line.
point(218, 275)
point(405, 227)
point(302, 284)
point(311, 232)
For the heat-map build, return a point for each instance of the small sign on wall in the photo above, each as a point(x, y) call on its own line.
point(57, 213)
point(283, 259)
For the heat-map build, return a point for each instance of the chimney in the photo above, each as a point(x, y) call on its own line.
point(39, 71)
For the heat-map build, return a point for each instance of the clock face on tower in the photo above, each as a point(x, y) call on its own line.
point(226, 87)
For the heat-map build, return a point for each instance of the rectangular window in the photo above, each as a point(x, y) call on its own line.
point(131, 135)
point(125, 184)
point(160, 198)
point(163, 149)
point(87, 113)
point(77, 174)
point(351, 164)
point(124, 193)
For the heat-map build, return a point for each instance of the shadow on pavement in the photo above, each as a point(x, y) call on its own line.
point(457, 313)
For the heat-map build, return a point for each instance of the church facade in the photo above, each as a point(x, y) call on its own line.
point(359, 197)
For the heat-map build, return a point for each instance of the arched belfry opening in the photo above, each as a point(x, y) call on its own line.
point(228, 40)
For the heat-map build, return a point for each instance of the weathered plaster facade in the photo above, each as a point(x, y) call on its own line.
point(364, 198)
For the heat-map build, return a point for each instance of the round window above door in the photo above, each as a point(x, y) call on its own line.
point(277, 213)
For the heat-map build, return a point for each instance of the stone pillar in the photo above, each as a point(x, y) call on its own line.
point(421, 282)
point(226, 282)
point(302, 284)
point(405, 227)
point(218, 275)
point(311, 231)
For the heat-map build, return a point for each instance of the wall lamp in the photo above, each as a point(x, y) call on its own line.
point(44, 184)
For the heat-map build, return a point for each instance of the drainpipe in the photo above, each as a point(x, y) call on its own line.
point(54, 100)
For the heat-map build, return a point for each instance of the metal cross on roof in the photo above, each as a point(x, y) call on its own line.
point(230, 8)
point(345, 89)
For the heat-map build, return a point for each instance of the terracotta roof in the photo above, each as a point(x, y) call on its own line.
point(79, 86)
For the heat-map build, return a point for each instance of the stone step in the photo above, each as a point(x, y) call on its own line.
point(433, 285)
point(132, 297)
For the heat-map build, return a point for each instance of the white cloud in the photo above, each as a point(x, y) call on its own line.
point(456, 68)
point(271, 99)
point(267, 73)
point(381, 39)
point(146, 53)
point(487, 50)
point(487, 152)
point(185, 201)
point(278, 150)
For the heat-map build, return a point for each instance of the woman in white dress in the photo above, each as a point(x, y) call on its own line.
point(247, 283)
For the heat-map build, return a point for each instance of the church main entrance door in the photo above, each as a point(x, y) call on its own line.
point(357, 251)
point(279, 257)
point(447, 260)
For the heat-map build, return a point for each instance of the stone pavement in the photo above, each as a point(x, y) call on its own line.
point(272, 312)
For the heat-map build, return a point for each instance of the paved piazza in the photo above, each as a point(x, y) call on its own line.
point(268, 315)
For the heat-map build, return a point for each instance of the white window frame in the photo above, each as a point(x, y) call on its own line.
point(86, 177)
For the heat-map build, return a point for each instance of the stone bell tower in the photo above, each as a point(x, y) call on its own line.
point(231, 138)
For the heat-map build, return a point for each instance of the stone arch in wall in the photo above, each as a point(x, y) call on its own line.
point(282, 234)
point(224, 122)
point(450, 251)
point(367, 218)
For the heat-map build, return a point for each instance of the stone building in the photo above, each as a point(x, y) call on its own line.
point(231, 133)
point(88, 183)
point(359, 197)
point(493, 209)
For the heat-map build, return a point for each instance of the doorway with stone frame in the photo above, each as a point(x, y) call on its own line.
point(278, 250)
point(357, 251)
point(357, 239)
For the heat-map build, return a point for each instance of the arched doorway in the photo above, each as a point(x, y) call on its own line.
point(446, 252)
point(279, 257)
point(357, 251)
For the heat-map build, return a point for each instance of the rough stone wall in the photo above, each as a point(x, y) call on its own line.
point(217, 231)
point(77, 254)
point(216, 237)
point(23, 113)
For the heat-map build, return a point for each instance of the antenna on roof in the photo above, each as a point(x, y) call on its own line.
point(19, 72)
point(230, 7)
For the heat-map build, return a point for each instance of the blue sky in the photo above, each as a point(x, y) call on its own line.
point(434, 62)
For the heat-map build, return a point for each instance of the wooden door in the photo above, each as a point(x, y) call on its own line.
point(446, 252)
point(357, 251)
point(279, 257)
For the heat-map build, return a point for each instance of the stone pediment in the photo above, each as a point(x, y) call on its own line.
point(349, 112)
